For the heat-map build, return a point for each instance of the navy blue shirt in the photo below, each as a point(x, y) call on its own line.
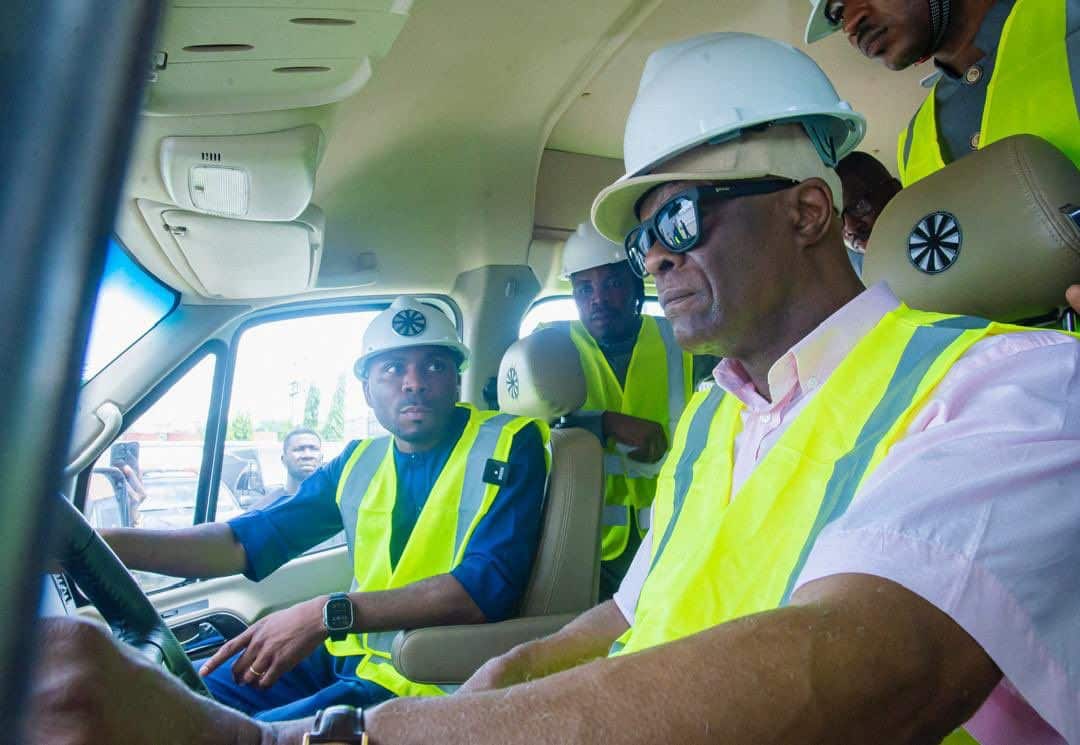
point(498, 558)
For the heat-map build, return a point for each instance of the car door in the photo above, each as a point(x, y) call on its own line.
point(204, 444)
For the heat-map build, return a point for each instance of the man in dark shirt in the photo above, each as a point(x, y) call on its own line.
point(868, 186)
point(414, 564)
point(638, 381)
point(301, 454)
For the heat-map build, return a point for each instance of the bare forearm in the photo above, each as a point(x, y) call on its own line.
point(436, 601)
point(586, 638)
point(202, 551)
point(812, 674)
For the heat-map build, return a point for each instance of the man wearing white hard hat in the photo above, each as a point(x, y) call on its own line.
point(638, 381)
point(1007, 67)
point(810, 577)
point(441, 521)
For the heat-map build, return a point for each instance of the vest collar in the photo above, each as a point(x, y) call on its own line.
point(806, 365)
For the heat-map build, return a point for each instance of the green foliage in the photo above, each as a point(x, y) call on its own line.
point(240, 427)
point(334, 428)
point(311, 407)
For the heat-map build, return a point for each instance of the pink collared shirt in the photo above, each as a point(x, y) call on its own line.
point(976, 509)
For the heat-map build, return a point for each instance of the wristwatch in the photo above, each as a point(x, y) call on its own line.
point(338, 725)
point(337, 616)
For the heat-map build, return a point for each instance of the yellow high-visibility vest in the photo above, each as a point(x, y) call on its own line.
point(458, 501)
point(1030, 92)
point(716, 558)
point(658, 384)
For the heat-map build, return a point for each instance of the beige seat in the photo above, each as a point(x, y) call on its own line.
point(540, 376)
point(994, 234)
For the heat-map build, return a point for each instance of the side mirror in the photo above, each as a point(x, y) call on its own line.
point(107, 502)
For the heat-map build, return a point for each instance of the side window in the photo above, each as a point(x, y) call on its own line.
point(564, 309)
point(292, 374)
point(149, 477)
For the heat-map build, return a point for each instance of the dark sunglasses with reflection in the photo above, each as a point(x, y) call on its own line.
point(677, 223)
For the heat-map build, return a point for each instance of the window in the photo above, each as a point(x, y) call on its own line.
point(564, 309)
point(149, 478)
point(129, 303)
point(290, 373)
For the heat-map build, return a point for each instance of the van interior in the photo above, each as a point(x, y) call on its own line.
point(278, 172)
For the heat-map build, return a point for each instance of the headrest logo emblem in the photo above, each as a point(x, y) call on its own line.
point(408, 322)
point(513, 384)
point(934, 243)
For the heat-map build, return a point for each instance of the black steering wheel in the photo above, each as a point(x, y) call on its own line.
point(106, 582)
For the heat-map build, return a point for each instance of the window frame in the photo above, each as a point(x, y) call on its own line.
point(176, 299)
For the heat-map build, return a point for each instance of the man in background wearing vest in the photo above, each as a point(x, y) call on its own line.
point(1007, 67)
point(638, 381)
point(863, 533)
point(441, 519)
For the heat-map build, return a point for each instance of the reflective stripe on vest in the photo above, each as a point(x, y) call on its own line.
point(367, 491)
point(1031, 91)
point(716, 558)
point(656, 353)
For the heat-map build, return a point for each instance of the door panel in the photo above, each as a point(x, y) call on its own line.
point(187, 606)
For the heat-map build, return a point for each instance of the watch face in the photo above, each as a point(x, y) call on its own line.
point(338, 614)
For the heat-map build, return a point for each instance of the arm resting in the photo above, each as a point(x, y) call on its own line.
point(450, 654)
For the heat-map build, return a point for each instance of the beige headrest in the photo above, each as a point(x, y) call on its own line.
point(990, 235)
point(541, 376)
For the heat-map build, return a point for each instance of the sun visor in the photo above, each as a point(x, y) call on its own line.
point(266, 176)
point(239, 259)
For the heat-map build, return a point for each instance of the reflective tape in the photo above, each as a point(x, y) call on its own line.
point(616, 515)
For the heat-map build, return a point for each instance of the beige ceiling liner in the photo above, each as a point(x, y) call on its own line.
point(242, 56)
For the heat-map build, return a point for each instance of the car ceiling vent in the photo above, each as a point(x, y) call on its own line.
point(322, 21)
point(217, 48)
point(211, 157)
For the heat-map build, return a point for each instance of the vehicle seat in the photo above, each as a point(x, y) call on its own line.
point(540, 376)
point(1004, 237)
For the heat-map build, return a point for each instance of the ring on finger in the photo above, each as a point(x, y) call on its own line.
point(255, 672)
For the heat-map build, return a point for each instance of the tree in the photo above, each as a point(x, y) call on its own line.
point(240, 427)
point(334, 429)
point(311, 407)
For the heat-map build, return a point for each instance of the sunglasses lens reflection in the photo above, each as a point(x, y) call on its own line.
point(677, 224)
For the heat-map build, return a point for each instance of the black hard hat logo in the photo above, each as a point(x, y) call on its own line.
point(513, 385)
point(934, 243)
point(408, 322)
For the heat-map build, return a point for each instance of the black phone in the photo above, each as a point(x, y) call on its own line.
point(124, 454)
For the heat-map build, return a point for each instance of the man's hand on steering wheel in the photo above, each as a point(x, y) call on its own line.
point(274, 645)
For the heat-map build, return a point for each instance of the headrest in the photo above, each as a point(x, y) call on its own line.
point(541, 376)
point(991, 235)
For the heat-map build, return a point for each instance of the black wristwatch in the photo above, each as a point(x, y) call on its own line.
point(338, 725)
point(337, 616)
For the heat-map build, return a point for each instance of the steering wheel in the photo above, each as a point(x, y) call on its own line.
point(106, 582)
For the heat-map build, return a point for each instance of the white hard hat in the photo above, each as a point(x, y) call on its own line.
point(587, 249)
point(409, 323)
point(819, 26)
point(715, 88)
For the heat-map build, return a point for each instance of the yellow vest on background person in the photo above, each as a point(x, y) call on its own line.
point(658, 384)
point(1030, 92)
point(458, 501)
point(715, 557)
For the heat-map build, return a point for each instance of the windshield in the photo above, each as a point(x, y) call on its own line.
point(129, 302)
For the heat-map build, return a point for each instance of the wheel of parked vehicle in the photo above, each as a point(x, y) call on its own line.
point(109, 586)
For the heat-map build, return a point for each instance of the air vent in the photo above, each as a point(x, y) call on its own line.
point(302, 69)
point(212, 48)
point(323, 21)
point(211, 157)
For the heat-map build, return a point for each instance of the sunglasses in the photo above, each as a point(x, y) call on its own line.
point(677, 224)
